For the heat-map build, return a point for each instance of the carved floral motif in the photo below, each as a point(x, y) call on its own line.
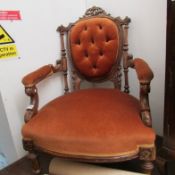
point(147, 153)
point(95, 11)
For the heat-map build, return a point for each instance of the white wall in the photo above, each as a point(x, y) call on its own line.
point(147, 39)
point(38, 44)
point(6, 142)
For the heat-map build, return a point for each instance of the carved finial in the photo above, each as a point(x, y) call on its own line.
point(124, 21)
point(61, 29)
point(95, 11)
point(127, 20)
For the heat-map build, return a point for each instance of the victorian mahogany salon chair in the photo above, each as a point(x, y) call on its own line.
point(96, 124)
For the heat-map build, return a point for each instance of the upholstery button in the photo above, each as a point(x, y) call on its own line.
point(85, 28)
point(86, 53)
point(107, 39)
point(92, 40)
point(100, 26)
point(101, 53)
point(78, 42)
point(95, 66)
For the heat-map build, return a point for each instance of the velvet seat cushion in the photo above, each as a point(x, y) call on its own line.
point(92, 122)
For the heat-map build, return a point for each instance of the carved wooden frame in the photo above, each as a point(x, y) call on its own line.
point(143, 153)
point(115, 74)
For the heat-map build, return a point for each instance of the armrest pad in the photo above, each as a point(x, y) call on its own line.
point(144, 72)
point(38, 75)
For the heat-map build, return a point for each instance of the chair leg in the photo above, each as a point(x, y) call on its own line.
point(147, 167)
point(35, 163)
point(147, 156)
point(28, 146)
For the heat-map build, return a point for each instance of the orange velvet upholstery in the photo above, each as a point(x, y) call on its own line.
point(93, 122)
point(38, 75)
point(94, 45)
point(92, 125)
point(144, 73)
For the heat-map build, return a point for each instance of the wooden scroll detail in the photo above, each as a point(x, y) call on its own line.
point(119, 75)
point(32, 109)
point(125, 24)
point(61, 29)
point(95, 11)
point(115, 76)
point(76, 80)
point(28, 145)
point(144, 103)
point(147, 153)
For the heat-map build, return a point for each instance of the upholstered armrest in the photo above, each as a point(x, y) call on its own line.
point(30, 81)
point(145, 75)
point(35, 77)
point(144, 72)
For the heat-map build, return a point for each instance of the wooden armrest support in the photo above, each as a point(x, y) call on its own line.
point(144, 104)
point(35, 77)
point(144, 72)
point(30, 81)
point(32, 109)
point(145, 75)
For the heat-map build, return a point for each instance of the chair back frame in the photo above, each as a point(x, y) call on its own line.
point(114, 75)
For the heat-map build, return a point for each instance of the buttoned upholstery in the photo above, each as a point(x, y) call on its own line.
point(94, 45)
point(92, 124)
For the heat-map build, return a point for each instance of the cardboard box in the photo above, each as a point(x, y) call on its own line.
point(65, 167)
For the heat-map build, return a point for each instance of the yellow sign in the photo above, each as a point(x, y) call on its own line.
point(7, 51)
point(5, 38)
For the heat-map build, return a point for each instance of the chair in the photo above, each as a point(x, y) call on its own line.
point(99, 125)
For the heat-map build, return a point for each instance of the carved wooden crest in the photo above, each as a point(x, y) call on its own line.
point(95, 11)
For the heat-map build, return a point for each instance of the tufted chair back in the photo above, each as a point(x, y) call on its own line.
point(96, 44)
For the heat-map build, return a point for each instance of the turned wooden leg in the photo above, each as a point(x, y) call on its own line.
point(35, 163)
point(29, 146)
point(147, 167)
point(147, 156)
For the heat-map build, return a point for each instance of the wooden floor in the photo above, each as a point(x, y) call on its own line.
point(23, 166)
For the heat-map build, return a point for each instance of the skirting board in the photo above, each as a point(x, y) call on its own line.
point(65, 167)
